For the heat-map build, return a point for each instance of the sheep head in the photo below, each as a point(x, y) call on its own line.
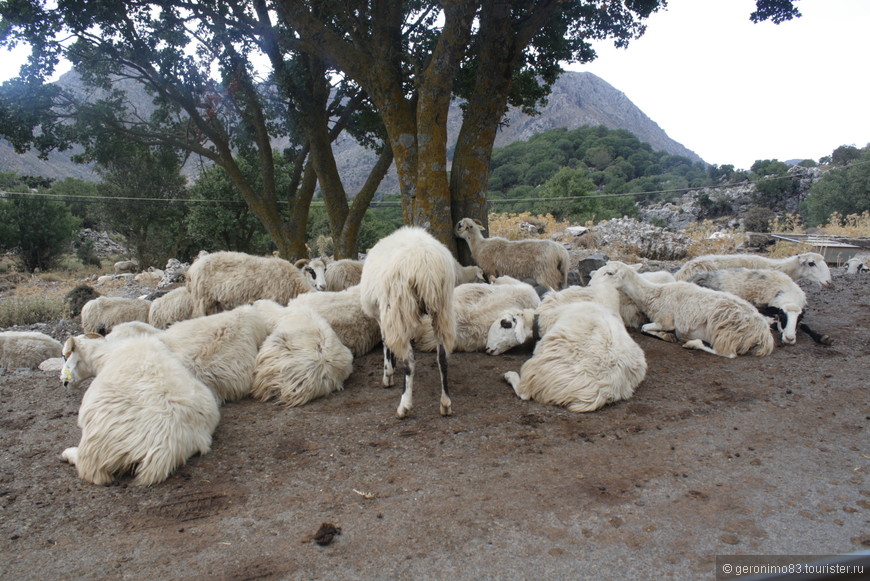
point(466, 228)
point(508, 331)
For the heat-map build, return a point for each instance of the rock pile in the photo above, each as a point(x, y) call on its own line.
point(628, 236)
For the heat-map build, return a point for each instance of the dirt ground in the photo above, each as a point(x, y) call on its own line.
point(710, 457)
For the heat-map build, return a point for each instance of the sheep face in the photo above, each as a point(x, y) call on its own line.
point(613, 272)
point(75, 368)
point(813, 266)
point(855, 265)
point(315, 272)
point(506, 333)
point(466, 228)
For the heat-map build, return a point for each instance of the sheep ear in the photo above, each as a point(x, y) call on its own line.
point(301, 262)
point(519, 329)
point(478, 222)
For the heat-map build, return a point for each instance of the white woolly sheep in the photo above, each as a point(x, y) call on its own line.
point(544, 261)
point(477, 306)
point(468, 274)
point(809, 265)
point(144, 412)
point(857, 264)
point(220, 349)
point(584, 361)
point(520, 326)
point(314, 271)
point(343, 274)
point(343, 310)
point(408, 275)
point(125, 266)
point(99, 315)
point(301, 360)
point(681, 311)
point(225, 280)
point(772, 292)
point(26, 349)
point(631, 314)
point(176, 305)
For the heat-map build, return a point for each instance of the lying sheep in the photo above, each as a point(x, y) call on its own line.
point(26, 349)
point(772, 292)
point(857, 264)
point(515, 327)
point(809, 265)
point(477, 306)
point(144, 412)
point(544, 261)
point(343, 274)
point(408, 275)
point(220, 349)
point(681, 311)
point(225, 280)
point(585, 360)
point(468, 274)
point(102, 313)
point(343, 310)
point(631, 314)
point(176, 305)
point(301, 360)
point(314, 271)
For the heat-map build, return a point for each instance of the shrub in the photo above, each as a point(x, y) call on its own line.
point(75, 299)
point(30, 309)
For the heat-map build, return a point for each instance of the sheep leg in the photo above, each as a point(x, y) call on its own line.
point(446, 404)
point(655, 329)
point(820, 338)
point(389, 366)
point(407, 401)
point(698, 344)
point(70, 455)
point(513, 378)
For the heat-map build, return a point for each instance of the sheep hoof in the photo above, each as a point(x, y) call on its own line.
point(402, 412)
point(826, 340)
point(70, 455)
point(446, 410)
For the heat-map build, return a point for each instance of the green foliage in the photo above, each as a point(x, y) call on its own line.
point(81, 199)
point(75, 299)
point(845, 154)
point(757, 219)
point(844, 190)
point(86, 254)
point(587, 205)
point(37, 229)
point(222, 219)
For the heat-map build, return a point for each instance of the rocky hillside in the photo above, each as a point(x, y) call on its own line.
point(577, 99)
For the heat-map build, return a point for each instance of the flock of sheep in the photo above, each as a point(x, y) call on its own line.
point(265, 328)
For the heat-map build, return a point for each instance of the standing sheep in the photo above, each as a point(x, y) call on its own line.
point(477, 306)
point(26, 349)
point(584, 361)
point(144, 412)
point(809, 265)
point(225, 280)
point(544, 261)
point(770, 291)
point(699, 316)
point(176, 305)
point(301, 360)
point(102, 313)
point(125, 266)
point(409, 275)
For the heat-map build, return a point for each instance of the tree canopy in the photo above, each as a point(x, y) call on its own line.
point(231, 78)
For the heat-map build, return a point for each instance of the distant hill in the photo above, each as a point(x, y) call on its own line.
point(577, 99)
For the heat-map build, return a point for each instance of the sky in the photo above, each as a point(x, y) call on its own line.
point(735, 92)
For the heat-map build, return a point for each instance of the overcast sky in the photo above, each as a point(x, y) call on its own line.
point(733, 91)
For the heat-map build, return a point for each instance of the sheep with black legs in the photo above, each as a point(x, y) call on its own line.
point(221, 281)
point(314, 270)
point(682, 311)
point(584, 360)
point(301, 360)
point(408, 275)
point(343, 310)
point(544, 261)
point(810, 265)
point(174, 306)
point(477, 306)
point(27, 349)
point(772, 292)
point(143, 413)
point(99, 315)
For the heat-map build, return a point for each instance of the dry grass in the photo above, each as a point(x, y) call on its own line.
point(507, 225)
point(852, 226)
point(701, 232)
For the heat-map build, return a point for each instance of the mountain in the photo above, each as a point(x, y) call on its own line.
point(577, 99)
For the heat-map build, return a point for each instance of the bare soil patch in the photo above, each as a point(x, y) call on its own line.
point(711, 456)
